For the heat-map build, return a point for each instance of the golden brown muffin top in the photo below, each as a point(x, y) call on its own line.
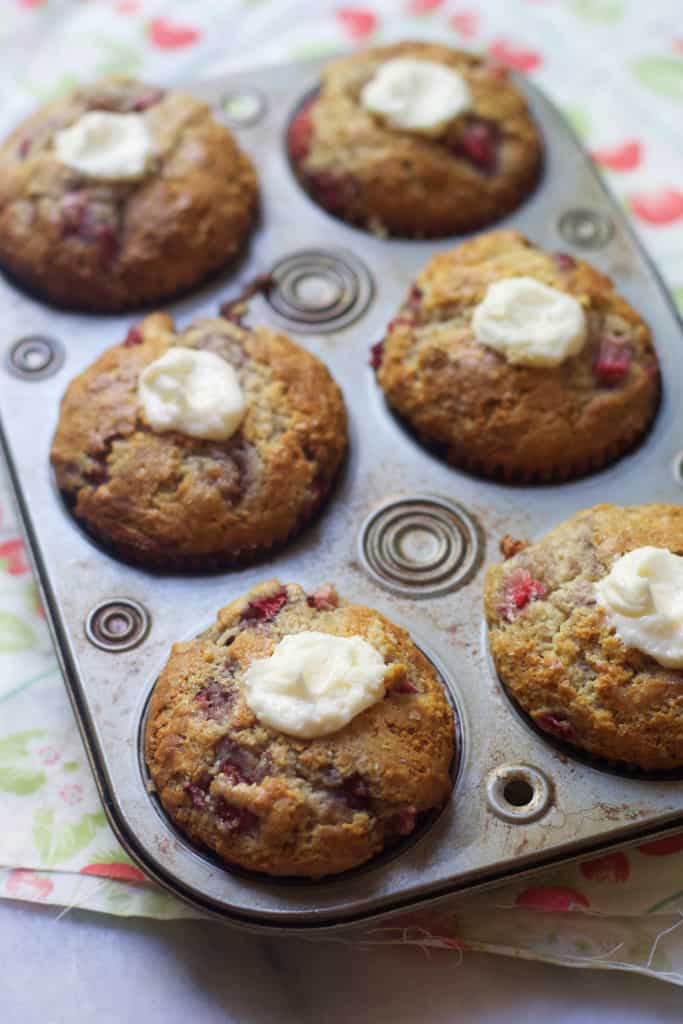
point(559, 657)
point(169, 500)
point(283, 805)
point(519, 422)
point(110, 244)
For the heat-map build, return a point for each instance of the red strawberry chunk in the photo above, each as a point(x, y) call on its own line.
point(613, 362)
point(300, 131)
point(235, 819)
point(148, 99)
point(134, 337)
point(400, 321)
point(91, 222)
point(376, 354)
point(231, 772)
point(197, 795)
point(520, 589)
point(333, 191)
point(214, 699)
point(241, 763)
point(356, 792)
point(323, 599)
point(403, 821)
point(414, 296)
point(559, 727)
point(479, 144)
point(564, 261)
point(72, 210)
point(263, 609)
point(404, 686)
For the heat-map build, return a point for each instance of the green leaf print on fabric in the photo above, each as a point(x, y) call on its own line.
point(70, 766)
point(663, 75)
point(313, 49)
point(678, 296)
point(53, 90)
point(15, 635)
point(56, 843)
point(32, 598)
point(579, 119)
point(117, 897)
point(112, 855)
point(609, 11)
point(17, 775)
point(120, 58)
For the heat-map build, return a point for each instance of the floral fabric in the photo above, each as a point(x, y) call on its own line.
point(616, 69)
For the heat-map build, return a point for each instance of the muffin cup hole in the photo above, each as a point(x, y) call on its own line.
point(242, 107)
point(117, 625)
point(34, 357)
point(518, 793)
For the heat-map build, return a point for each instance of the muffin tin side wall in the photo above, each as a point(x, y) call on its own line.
point(572, 807)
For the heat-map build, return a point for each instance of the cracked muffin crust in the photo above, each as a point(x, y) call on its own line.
point(170, 501)
point(403, 183)
point(273, 803)
point(113, 244)
point(559, 658)
point(497, 419)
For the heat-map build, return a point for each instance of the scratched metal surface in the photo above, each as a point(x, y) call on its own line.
point(467, 845)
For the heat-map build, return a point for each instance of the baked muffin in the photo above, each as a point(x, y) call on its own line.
point(586, 632)
point(278, 801)
point(198, 449)
point(518, 363)
point(416, 140)
point(121, 194)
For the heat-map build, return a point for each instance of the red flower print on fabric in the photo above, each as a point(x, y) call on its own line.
point(623, 157)
point(171, 35)
point(359, 22)
point(510, 55)
point(659, 208)
point(551, 898)
point(23, 884)
point(612, 867)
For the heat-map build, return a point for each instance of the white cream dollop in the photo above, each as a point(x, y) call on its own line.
point(106, 145)
point(314, 683)
point(192, 391)
point(529, 322)
point(416, 95)
point(643, 599)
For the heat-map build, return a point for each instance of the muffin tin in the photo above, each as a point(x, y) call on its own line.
point(402, 532)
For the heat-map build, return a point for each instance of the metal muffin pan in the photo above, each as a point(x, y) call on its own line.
point(403, 532)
